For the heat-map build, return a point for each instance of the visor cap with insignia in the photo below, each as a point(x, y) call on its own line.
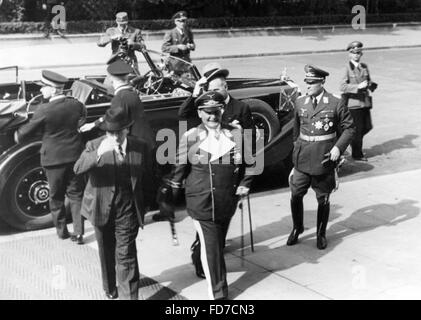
point(355, 47)
point(52, 79)
point(214, 69)
point(314, 74)
point(119, 68)
point(210, 100)
point(180, 15)
point(122, 17)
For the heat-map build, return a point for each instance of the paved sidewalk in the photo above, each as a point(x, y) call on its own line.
point(373, 248)
point(58, 54)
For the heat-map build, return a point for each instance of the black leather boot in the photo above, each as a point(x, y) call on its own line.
point(297, 212)
point(322, 220)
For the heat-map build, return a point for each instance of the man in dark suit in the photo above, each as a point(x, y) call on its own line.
point(127, 97)
point(211, 161)
point(178, 42)
point(356, 85)
point(123, 38)
point(323, 128)
point(118, 168)
point(58, 121)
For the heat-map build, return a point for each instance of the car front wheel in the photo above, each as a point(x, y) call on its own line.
point(25, 199)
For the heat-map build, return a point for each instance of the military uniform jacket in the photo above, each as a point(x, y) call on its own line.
point(331, 116)
point(211, 178)
point(357, 98)
point(234, 110)
point(58, 122)
point(128, 98)
point(134, 34)
point(173, 38)
point(100, 188)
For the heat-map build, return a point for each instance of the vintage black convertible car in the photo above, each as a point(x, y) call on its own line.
point(165, 84)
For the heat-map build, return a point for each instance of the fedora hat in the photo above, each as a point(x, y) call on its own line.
point(115, 119)
point(214, 69)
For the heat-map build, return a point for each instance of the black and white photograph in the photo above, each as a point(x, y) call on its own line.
point(243, 150)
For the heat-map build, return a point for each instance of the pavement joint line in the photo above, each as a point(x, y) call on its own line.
point(234, 56)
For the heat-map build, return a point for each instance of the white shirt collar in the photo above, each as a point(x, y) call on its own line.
point(60, 96)
point(356, 64)
point(227, 100)
point(319, 97)
point(122, 87)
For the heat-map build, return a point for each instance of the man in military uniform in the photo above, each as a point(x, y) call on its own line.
point(58, 121)
point(323, 128)
point(211, 161)
point(356, 85)
point(127, 97)
point(178, 42)
point(123, 38)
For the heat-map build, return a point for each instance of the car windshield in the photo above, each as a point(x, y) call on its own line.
point(171, 67)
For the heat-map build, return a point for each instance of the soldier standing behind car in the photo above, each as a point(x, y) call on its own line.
point(58, 122)
point(211, 161)
point(356, 85)
point(178, 42)
point(323, 129)
point(123, 38)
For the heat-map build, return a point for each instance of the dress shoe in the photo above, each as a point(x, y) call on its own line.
point(63, 236)
point(113, 295)
point(293, 237)
point(321, 242)
point(78, 238)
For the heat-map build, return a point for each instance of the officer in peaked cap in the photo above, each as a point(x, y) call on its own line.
point(323, 128)
point(356, 86)
point(210, 160)
point(119, 69)
point(59, 121)
point(179, 41)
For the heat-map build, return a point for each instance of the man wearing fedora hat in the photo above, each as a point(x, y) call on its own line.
point(118, 168)
point(178, 42)
point(123, 37)
point(59, 121)
point(211, 162)
point(323, 128)
point(356, 85)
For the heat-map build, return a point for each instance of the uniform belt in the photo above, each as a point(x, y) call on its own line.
point(317, 138)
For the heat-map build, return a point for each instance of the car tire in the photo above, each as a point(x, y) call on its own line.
point(25, 199)
point(264, 117)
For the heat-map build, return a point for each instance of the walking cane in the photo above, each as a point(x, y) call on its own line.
point(251, 227)
point(242, 229)
point(173, 232)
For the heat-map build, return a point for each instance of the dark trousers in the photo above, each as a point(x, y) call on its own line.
point(63, 182)
point(363, 124)
point(212, 241)
point(118, 253)
point(322, 185)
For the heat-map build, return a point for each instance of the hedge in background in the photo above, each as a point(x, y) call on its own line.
point(211, 23)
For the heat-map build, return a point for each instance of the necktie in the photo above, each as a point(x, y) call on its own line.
point(120, 153)
point(314, 103)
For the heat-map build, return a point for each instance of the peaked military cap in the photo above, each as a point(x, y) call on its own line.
point(355, 47)
point(314, 73)
point(210, 100)
point(121, 17)
point(119, 68)
point(180, 15)
point(214, 69)
point(52, 79)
